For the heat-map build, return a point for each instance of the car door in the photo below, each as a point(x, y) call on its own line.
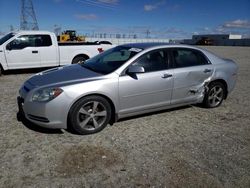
point(23, 53)
point(148, 90)
point(191, 70)
point(48, 52)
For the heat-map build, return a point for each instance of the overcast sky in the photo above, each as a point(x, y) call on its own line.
point(174, 19)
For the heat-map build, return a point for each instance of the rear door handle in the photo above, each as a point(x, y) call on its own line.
point(207, 70)
point(167, 75)
point(34, 52)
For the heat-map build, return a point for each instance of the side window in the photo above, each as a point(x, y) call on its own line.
point(43, 40)
point(21, 42)
point(24, 41)
point(153, 61)
point(188, 57)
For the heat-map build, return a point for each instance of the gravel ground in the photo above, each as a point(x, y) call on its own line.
point(184, 147)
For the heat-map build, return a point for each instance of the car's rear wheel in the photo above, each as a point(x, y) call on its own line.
point(90, 115)
point(215, 95)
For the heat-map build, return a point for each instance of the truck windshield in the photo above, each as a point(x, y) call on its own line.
point(6, 37)
point(110, 60)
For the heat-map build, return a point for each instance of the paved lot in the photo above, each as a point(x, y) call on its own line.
point(185, 147)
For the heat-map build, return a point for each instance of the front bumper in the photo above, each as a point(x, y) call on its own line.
point(42, 114)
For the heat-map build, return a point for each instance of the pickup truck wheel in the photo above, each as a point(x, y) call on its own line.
point(90, 115)
point(78, 60)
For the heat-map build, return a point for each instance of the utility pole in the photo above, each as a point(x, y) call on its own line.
point(28, 17)
point(57, 30)
point(147, 33)
point(11, 28)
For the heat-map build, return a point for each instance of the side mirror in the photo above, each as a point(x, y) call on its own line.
point(8, 47)
point(135, 69)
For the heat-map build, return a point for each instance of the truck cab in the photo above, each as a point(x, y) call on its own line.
point(37, 49)
point(28, 50)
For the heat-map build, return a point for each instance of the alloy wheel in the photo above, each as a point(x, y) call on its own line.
point(92, 115)
point(216, 95)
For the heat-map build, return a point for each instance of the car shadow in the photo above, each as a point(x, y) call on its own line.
point(28, 124)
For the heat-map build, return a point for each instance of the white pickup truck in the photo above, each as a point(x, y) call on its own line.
point(35, 49)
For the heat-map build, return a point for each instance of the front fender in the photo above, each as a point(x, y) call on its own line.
point(107, 88)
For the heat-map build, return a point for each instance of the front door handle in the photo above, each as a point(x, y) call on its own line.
point(167, 75)
point(35, 52)
point(207, 70)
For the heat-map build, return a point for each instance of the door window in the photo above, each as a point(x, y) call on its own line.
point(153, 61)
point(24, 41)
point(188, 57)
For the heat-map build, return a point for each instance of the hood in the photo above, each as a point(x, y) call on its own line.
point(62, 75)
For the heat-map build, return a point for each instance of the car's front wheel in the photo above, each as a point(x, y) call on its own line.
point(90, 115)
point(215, 95)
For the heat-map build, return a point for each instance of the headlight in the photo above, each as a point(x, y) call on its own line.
point(45, 95)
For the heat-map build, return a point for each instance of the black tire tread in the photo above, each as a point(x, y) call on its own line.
point(1, 70)
point(74, 109)
point(77, 59)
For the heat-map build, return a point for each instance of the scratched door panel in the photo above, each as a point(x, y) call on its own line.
point(189, 83)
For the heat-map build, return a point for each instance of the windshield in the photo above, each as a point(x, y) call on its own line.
point(6, 37)
point(110, 60)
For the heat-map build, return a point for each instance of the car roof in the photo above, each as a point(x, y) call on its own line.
point(151, 46)
point(32, 32)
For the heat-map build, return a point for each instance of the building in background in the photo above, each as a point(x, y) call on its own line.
point(118, 41)
point(218, 40)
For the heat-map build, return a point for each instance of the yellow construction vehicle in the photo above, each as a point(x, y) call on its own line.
point(70, 35)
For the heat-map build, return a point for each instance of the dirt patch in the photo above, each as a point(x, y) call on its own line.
point(76, 160)
point(182, 174)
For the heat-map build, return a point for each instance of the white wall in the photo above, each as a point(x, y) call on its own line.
point(235, 37)
point(126, 40)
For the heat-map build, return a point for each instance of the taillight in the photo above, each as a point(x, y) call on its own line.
point(100, 50)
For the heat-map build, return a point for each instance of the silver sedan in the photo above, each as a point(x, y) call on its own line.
point(125, 81)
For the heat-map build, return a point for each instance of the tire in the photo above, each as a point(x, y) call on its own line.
point(1, 70)
point(215, 95)
point(89, 115)
point(78, 60)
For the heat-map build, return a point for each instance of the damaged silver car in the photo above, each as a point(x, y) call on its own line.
point(124, 81)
